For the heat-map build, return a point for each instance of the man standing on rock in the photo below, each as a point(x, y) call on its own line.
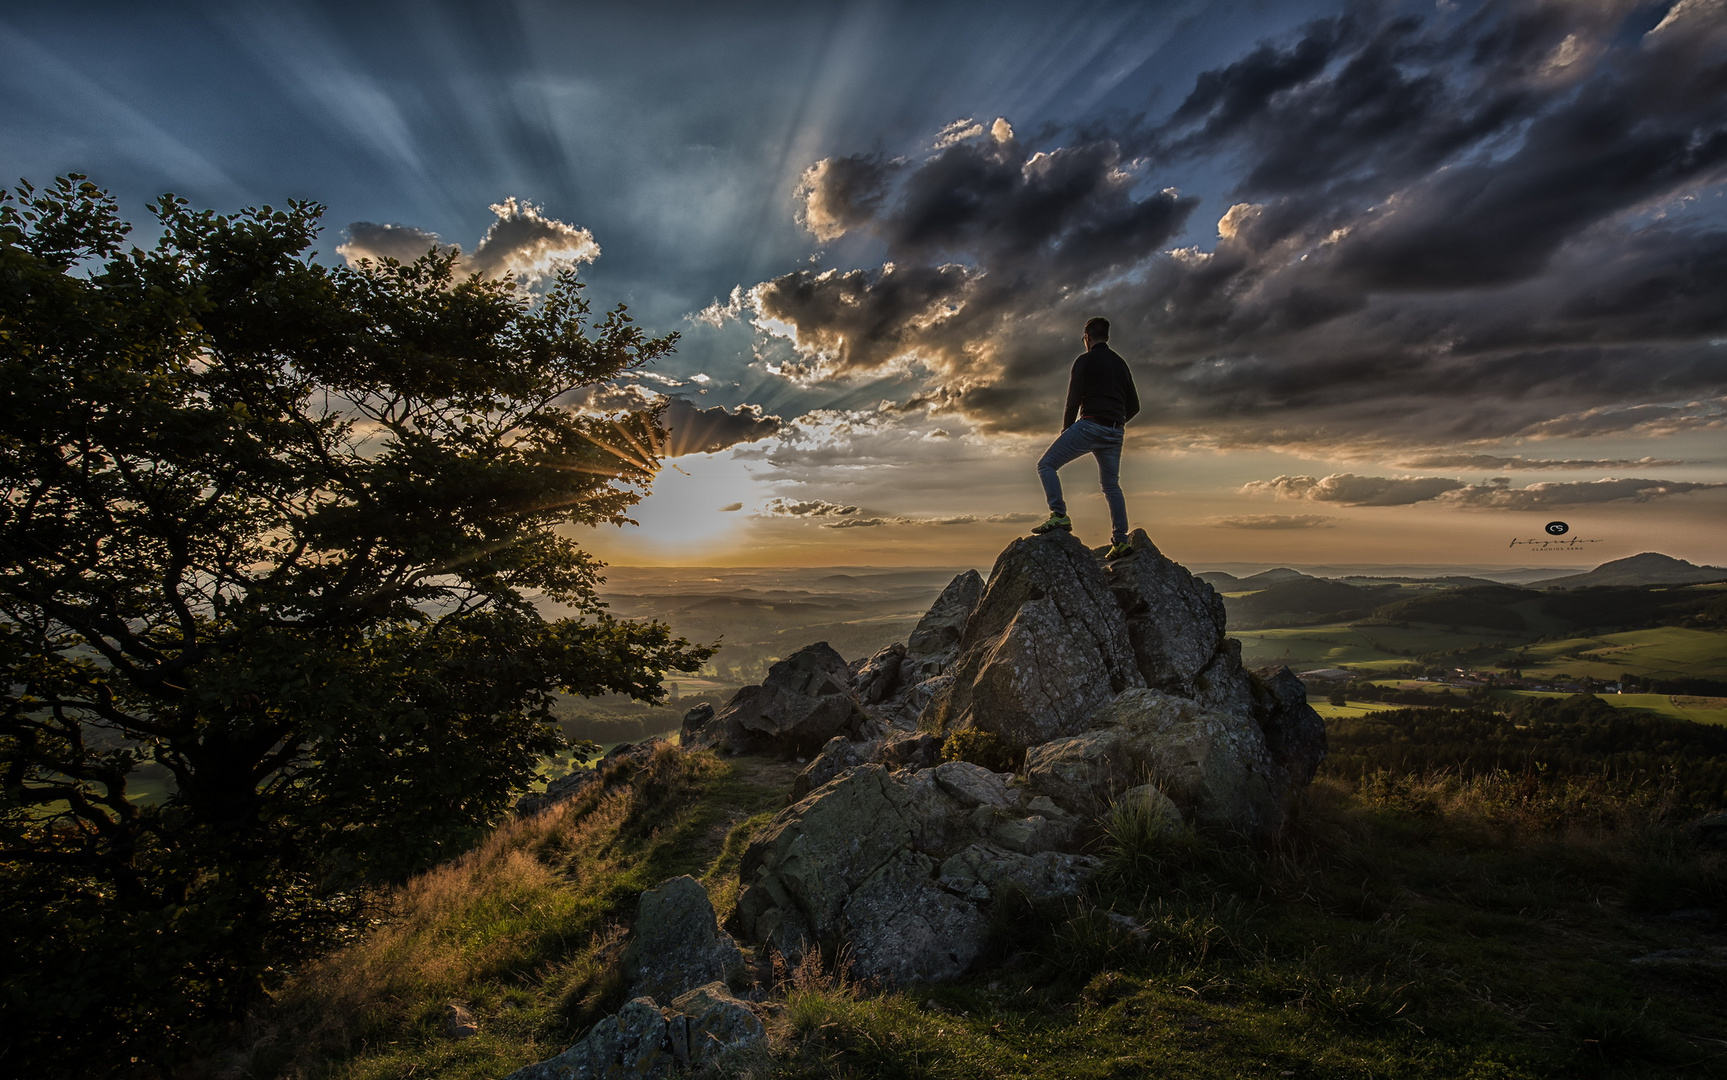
point(1100, 401)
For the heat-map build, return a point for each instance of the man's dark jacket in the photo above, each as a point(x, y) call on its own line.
point(1100, 388)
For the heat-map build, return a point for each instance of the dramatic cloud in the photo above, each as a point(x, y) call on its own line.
point(1518, 463)
point(1351, 490)
point(1496, 494)
point(522, 241)
point(1462, 226)
point(1579, 493)
point(812, 508)
point(691, 429)
point(1274, 521)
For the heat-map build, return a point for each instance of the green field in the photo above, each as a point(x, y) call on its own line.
point(1332, 644)
point(1664, 652)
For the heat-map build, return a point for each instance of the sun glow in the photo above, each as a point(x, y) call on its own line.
point(686, 515)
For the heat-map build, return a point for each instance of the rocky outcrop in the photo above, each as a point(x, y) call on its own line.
point(644, 1041)
point(562, 789)
point(1118, 683)
point(805, 700)
point(1047, 646)
point(676, 943)
point(867, 860)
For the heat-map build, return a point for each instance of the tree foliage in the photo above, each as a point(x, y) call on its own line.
point(279, 533)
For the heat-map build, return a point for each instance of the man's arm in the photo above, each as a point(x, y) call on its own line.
point(1130, 394)
point(1071, 412)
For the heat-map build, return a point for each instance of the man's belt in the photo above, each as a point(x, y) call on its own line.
point(1101, 420)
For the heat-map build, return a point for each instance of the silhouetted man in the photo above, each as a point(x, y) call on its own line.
point(1100, 401)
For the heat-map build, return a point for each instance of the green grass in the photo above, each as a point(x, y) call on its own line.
point(1416, 926)
point(1663, 652)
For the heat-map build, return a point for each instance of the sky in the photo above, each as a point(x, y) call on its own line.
point(1399, 283)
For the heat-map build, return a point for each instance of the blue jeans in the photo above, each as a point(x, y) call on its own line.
point(1102, 441)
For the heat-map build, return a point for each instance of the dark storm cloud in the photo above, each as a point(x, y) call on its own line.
point(403, 243)
point(980, 234)
point(1446, 228)
point(520, 241)
point(691, 429)
point(1577, 493)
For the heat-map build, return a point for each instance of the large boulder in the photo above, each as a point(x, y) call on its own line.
point(1214, 765)
point(864, 861)
point(643, 1041)
point(676, 943)
point(1046, 646)
point(805, 700)
point(1174, 620)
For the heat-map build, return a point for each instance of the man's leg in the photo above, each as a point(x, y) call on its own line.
point(1109, 477)
point(1069, 445)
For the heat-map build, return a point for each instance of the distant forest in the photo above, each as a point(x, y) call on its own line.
point(1499, 608)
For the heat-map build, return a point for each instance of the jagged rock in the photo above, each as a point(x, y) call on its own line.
point(935, 641)
point(803, 702)
point(903, 927)
point(635, 1043)
point(1224, 684)
point(799, 871)
point(911, 749)
point(973, 785)
point(718, 1023)
point(1081, 773)
point(879, 676)
point(836, 757)
point(559, 790)
point(1174, 621)
point(677, 944)
point(694, 720)
point(1045, 647)
point(1213, 765)
point(1294, 732)
point(645, 1042)
point(1046, 827)
point(984, 872)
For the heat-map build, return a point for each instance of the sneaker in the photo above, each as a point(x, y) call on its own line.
point(1116, 551)
point(1056, 521)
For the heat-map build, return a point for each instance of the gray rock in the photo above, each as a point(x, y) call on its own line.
point(1035, 833)
point(1224, 684)
point(936, 639)
point(1082, 773)
point(836, 757)
point(646, 1042)
point(799, 871)
point(1213, 765)
point(911, 750)
point(719, 1023)
point(804, 701)
point(635, 1044)
point(694, 720)
point(878, 677)
point(1294, 732)
point(1710, 831)
point(676, 943)
point(973, 785)
point(1174, 620)
point(904, 928)
point(984, 872)
point(1046, 646)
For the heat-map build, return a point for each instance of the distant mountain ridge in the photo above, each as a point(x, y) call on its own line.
point(1647, 568)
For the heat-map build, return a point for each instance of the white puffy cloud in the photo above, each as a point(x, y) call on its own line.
point(521, 241)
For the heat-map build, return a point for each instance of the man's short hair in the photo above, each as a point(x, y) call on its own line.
point(1096, 329)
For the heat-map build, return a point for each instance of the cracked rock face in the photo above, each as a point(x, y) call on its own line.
point(867, 861)
point(805, 700)
point(643, 1041)
point(1122, 688)
point(1047, 645)
point(676, 943)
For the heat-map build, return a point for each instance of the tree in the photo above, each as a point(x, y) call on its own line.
point(278, 532)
